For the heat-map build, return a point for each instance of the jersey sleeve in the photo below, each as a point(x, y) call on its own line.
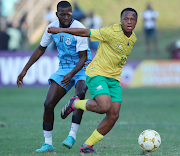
point(99, 35)
point(82, 43)
point(46, 38)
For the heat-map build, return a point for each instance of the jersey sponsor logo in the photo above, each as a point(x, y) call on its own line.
point(119, 46)
point(61, 38)
point(68, 40)
point(99, 87)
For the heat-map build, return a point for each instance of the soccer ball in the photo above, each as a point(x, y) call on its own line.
point(149, 140)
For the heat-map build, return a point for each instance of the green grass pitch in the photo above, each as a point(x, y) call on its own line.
point(21, 111)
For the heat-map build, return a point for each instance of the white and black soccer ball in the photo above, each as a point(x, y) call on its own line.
point(149, 140)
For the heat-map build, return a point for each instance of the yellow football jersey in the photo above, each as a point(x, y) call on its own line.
point(112, 51)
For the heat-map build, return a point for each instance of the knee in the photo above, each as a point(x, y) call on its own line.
point(114, 117)
point(105, 108)
point(48, 106)
point(81, 95)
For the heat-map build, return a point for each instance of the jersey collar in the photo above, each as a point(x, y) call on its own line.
point(129, 38)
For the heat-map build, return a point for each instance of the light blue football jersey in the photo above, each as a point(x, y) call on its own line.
point(68, 47)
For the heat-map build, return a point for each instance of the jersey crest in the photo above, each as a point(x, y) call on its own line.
point(68, 40)
point(119, 46)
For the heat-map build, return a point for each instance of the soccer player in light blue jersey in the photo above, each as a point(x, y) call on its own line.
point(73, 53)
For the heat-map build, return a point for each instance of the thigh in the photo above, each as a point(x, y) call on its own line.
point(55, 93)
point(115, 109)
point(81, 87)
point(80, 83)
point(103, 101)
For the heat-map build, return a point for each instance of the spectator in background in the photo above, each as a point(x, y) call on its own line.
point(15, 36)
point(24, 29)
point(8, 7)
point(150, 24)
point(0, 8)
point(49, 17)
point(4, 39)
point(174, 49)
point(93, 21)
point(77, 13)
point(7, 10)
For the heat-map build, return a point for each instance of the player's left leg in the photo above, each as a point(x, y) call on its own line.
point(98, 86)
point(55, 93)
point(103, 128)
point(81, 89)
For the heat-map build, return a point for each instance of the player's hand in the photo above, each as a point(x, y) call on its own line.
point(20, 78)
point(65, 82)
point(53, 30)
point(87, 63)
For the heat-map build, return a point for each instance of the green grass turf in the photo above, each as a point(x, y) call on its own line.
point(143, 108)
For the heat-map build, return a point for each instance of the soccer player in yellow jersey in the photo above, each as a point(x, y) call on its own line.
point(103, 73)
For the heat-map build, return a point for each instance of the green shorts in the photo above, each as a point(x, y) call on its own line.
point(100, 85)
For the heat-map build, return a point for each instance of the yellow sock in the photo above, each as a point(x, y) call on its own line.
point(81, 104)
point(94, 138)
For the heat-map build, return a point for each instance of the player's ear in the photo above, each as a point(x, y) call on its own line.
point(56, 14)
point(136, 22)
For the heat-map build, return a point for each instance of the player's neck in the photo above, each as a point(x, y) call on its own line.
point(128, 34)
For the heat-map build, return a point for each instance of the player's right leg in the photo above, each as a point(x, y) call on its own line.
point(55, 93)
point(81, 89)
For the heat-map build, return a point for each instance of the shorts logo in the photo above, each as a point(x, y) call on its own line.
point(68, 40)
point(119, 46)
point(99, 87)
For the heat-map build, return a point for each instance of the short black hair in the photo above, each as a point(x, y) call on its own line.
point(63, 4)
point(129, 9)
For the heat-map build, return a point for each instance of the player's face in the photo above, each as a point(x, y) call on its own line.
point(65, 16)
point(128, 21)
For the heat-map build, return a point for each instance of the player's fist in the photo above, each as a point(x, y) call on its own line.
point(53, 30)
point(86, 63)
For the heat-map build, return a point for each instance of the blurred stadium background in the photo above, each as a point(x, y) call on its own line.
point(29, 15)
point(151, 84)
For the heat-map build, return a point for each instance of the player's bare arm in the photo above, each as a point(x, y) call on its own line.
point(34, 57)
point(74, 31)
point(79, 66)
